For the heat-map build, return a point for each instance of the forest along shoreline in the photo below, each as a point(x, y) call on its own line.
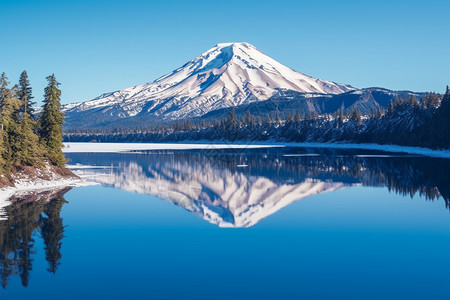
point(413, 122)
point(31, 156)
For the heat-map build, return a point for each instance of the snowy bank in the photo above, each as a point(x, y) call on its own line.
point(26, 180)
point(385, 148)
point(24, 187)
point(126, 147)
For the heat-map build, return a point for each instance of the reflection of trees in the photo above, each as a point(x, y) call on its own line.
point(52, 231)
point(405, 175)
point(24, 218)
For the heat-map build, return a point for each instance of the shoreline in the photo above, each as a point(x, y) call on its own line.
point(27, 180)
point(83, 147)
point(35, 186)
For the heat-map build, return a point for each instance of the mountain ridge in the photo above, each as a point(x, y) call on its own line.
point(227, 75)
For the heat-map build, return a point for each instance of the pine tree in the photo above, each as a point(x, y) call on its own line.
point(391, 108)
point(339, 116)
point(28, 151)
point(438, 128)
point(413, 100)
point(51, 120)
point(9, 122)
point(378, 113)
point(277, 117)
point(2, 152)
point(355, 116)
point(232, 120)
point(297, 117)
point(24, 94)
point(248, 120)
point(3, 85)
point(25, 143)
point(431, 100)
point(289, 118)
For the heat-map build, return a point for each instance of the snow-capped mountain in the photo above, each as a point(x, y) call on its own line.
point(227, 75)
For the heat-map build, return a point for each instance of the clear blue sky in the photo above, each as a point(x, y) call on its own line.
point(100, 46)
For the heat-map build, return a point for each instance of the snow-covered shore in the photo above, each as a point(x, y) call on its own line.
point(386, 148)
point(28, 180)
point(24, 187)
point(126, 147)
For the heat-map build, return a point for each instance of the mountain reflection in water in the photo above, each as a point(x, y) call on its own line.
point(238, 188)
point(229, 188)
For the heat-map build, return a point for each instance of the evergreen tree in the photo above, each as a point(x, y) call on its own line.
point(390, 107)
point(339, 118)
point(230, 126)
point(277, 117)
point(232, 120)
point(378, 113)
point(289, 118)
point(51, 120)
point(24, 94)
point(248, 120)
point(28, 151)
point(413, 100)
point(297, 117)
point(431, 100)
point(3, 86)
point(355, 116)
point(9, 123)
point(2, 151)
point(441, 126)
point(25, 142)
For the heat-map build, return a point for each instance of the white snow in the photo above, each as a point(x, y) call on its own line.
point(227, 75)
point(24, 186)
point(126, 147)
point(79, 167)
point(385, 148)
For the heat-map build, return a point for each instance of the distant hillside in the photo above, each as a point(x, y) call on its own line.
point(367, 101)
point(406, 121)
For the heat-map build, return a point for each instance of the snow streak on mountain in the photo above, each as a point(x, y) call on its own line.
point(227, 75)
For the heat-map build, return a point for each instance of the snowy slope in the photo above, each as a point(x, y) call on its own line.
point(227, 75)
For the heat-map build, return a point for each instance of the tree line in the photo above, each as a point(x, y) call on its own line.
point(409, 121)
point(28, 138)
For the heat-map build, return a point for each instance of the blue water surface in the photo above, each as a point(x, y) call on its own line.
point(358, 241)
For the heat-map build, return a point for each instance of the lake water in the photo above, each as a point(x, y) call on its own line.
point(277, 223)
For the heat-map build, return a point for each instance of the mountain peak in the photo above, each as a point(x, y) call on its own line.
point(226, 75)
point(235, 44)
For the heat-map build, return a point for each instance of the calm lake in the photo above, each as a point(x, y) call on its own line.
point(273, 223)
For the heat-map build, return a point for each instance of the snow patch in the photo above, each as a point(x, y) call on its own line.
point(128, 147)
point(24, 186)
